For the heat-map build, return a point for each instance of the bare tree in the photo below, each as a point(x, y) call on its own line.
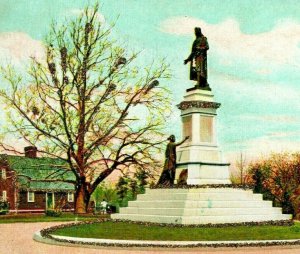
point(241, 166)
point(83, 104)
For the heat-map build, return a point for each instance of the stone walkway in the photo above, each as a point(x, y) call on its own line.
point(17, 239)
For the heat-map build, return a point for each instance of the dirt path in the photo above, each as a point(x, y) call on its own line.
point(17, 239)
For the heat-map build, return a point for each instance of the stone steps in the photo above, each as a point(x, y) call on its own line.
point(158, 204)
point(199, 190)
point(200, 196)
point(201, 211)
point(200, 206)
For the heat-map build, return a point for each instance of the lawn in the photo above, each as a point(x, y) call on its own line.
point(43, 218)
point(130, 231)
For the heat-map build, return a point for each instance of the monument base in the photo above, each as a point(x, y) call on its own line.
point(200, 206)
point(204, 173)
point(203, 165)
point(205, 87)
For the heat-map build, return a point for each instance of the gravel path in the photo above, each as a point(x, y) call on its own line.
point(17, 239)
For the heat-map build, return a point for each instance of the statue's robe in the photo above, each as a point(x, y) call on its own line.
point(198, 58)
point(168, 175)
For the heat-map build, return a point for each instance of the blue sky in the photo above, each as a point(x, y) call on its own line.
point(253, 61)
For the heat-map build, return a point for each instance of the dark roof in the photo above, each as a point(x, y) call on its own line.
point(40, 173)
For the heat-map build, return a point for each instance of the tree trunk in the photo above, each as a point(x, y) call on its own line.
point(82, 199)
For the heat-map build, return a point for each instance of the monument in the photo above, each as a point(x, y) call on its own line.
point(200, 156)
point(202, 192)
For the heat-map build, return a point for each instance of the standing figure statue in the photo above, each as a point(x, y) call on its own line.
point(168, 175)
point(198, 59)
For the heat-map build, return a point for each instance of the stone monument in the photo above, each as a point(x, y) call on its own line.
point(207, 196)
point(200, 156)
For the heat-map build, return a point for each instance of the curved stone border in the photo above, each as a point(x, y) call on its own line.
point(45, 236)
point(48, 231)
point(91, 242)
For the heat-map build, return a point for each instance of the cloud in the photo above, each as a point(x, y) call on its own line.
point(78, 12)
point(17, 47)
point(266, 145)
point(278, 46)
point(258, 90)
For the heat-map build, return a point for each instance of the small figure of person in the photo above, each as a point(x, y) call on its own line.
point(103, 205)
point(168, 175)
point(198, 59)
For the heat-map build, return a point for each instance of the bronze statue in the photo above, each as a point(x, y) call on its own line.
point(168, 175)
point(198, 59)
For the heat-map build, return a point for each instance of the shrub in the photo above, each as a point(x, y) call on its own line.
point(53, 213)
point(278, 179)
point(128, 187)
point(107, 192)
point(4, 207)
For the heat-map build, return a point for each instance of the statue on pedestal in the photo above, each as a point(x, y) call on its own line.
point(198, 59)
point(168, 175)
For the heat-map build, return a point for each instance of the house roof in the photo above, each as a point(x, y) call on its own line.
point(54, 186)
point(40, 173)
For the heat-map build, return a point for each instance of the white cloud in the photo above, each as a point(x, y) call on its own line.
point(267, 145)
point(259, 91)
point(264, 71)
point(78, 12)
point(278, 46)
point(16, 47)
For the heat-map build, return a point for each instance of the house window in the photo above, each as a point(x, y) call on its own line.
point(3, 174)
point(70, 197)
point(4, 196)
point(30, 196)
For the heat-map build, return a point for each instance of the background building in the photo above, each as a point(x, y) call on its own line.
point(32, 184)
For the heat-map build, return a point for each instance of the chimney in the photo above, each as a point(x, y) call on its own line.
point(30, 151)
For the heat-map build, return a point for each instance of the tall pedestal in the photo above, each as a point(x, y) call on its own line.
point(200, 156)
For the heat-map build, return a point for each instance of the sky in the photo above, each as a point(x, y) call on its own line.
point(253, 60)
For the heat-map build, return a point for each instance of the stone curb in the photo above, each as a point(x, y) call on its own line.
point(94, 243)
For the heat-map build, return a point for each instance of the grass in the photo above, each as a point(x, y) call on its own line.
point(130, 231)
point(27, 218)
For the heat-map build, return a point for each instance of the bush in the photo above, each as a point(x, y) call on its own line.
point(53, 213)
point(4, 207)
point(107, 192)
point(278, 179)
point(129, 187)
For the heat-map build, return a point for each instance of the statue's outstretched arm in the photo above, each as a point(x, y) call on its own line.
point(180, 143)
point(191, 56)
